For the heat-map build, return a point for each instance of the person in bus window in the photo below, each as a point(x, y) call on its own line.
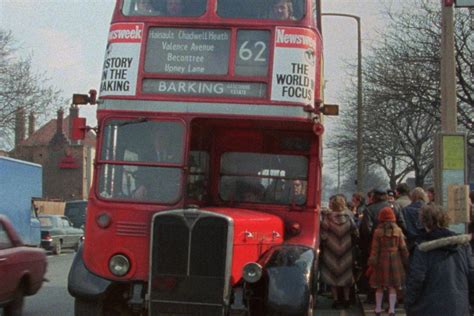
point(249, 191)
point(299, 192)
point(145, 7)
point(281, 10)
point(174, 7)
point(164, 149)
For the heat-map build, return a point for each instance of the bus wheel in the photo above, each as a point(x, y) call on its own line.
point(87, 308)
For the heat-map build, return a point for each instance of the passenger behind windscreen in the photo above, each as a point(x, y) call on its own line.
point(174, 8)
point(298, 192)
point(281, 10)
point(249, 191)
point(146, 7)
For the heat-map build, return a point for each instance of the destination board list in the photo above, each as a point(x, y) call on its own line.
point(187, 51)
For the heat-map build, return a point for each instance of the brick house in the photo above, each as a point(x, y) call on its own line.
point(67, 165)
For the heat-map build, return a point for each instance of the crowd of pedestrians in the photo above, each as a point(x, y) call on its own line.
point(396, 242)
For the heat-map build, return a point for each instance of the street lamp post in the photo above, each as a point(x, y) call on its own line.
point(360, 153)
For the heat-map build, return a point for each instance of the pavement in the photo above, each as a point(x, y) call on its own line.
point(324, 302)
point(323, 308)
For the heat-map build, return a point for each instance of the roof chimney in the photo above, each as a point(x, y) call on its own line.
point(73, 113)
point(31, 123)
point(19, 125)
point(59, 126)
point(59, 139)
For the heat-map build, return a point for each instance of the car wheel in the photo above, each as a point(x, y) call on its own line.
point(87, 308)
point(57, 248)
point(16, 306)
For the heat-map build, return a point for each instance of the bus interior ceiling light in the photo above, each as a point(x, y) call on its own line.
point(252, 272)
point(119, 265)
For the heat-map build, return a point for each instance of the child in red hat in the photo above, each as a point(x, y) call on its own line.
point(388, 259)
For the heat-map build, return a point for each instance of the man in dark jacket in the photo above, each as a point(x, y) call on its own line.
point(403, 198)
point(441, 273)
point(370, 218)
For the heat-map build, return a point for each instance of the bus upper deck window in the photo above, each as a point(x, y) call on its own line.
point(257, 9)
point(164, 7)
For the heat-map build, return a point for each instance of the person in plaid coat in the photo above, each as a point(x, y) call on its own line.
point(388, 259)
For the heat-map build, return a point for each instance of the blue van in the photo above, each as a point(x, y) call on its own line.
point(21, 181)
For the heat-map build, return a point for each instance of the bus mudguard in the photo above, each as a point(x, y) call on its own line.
point(289, 275)
point(84, 284)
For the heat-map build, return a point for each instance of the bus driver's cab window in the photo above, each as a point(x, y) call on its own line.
point(164, 7)
point(141, 160)
point(288, 10)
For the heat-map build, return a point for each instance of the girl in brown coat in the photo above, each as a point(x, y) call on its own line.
point(388, 259)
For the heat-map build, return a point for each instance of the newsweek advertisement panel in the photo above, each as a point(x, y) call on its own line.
point(294, 65)
point(120, 72)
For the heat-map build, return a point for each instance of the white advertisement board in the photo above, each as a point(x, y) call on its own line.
point(294, 65)
point(120, 72)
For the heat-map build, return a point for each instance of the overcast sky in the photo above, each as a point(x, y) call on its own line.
point(67, 39)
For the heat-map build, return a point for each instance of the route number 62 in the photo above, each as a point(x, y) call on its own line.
point(257, 52)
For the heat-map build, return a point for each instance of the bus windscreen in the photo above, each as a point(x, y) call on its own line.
point(166, 8)
point(290, 10)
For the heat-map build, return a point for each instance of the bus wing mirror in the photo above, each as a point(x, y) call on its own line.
point(90, 98)
point(330, 109)
point(79, 128)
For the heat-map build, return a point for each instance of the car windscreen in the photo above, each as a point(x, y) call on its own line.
point(46, 222)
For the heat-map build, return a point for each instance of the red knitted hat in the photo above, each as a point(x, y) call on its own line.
point(387, 215)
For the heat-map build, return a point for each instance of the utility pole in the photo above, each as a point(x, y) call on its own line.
point(448, 70)
point(338, 172)
point(360, 116)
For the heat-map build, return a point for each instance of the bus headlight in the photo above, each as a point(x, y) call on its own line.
point(252, 272)
point(103, 220)
point(119, 265)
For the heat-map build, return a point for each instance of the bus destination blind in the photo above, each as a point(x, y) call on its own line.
point(187, 51)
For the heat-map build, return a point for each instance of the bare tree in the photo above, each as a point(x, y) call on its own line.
point(20, 87)
point(402, 92)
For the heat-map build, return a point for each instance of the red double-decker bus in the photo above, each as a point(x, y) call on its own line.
point(207, 179)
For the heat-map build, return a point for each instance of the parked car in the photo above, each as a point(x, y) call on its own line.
point(22, 269)
point(76, 212)
point(57, 233)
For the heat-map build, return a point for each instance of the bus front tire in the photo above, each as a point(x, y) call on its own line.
point(87, 308)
